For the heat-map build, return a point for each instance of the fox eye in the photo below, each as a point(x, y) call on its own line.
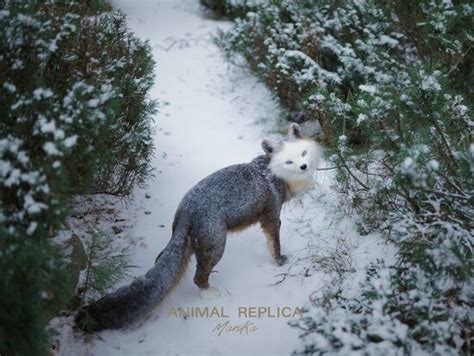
point(289, 162)
point(303, 154)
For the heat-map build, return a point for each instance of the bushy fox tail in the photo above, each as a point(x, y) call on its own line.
point(130, 303)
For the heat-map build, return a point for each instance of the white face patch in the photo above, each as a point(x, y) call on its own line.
point(296, 160)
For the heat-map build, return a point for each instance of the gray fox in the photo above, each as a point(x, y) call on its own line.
point(230, 199)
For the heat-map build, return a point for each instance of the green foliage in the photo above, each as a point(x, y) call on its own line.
point(76, 119)
point(106, 264)
point(230, 9)
point(391, 86)
point(34, 282)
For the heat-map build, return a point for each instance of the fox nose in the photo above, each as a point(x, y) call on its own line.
point(303, 167)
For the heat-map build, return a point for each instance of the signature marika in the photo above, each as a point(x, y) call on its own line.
point(242, 329)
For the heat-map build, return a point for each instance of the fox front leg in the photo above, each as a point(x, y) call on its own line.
point(271, 227)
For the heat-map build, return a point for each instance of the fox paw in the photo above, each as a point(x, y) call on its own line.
point(280, 261)
point(210, 293)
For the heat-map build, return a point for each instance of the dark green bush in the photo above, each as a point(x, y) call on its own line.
point(34, 282)
point(391, 84)
point(230, 9)
point(75, 119)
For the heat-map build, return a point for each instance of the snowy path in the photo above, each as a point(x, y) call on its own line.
point(215, 117)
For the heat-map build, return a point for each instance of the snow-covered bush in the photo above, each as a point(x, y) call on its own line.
point(75, 119)
point(391, 84)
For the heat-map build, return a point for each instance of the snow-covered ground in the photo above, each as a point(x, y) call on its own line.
point(213, 115)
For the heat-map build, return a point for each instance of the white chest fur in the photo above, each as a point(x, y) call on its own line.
point(296, 187)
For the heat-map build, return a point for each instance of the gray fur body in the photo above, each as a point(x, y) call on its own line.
point(227, 200)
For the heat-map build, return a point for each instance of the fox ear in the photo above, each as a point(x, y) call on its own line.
point(269, 147)
point(295, 132)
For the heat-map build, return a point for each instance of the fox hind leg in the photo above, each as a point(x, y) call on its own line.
point(208, 254)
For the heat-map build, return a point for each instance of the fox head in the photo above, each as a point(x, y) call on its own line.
point(294, 159)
